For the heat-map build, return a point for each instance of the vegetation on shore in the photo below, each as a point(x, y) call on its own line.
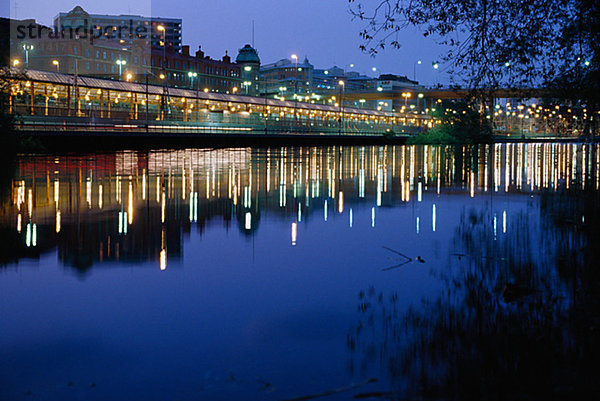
point(460, 124)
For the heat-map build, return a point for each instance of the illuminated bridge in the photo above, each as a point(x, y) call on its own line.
point(50, 103)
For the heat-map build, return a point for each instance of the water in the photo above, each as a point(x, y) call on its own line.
point(227, 274)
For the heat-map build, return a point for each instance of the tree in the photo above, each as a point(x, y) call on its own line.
point(493, 43)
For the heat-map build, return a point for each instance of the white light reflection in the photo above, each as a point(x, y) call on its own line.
point(248, 221)
point(56, 190)
point(130, 202)
point(191, 216)
point(433, 218)
point(57, 221)
point(163, 259)
point(325, 210)
point(144, 184)
point(373, 217)
point(495, 225)
point(88, 192)
point(162, 208)
point(294, 233)
point(418, 225)
point(472, 184)
point(351, 218)
point(28, 235)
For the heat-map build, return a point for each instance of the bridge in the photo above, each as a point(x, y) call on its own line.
point(51, 103)
point(449, 93)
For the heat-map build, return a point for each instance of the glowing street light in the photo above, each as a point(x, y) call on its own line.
point(295, 58)
point(120, 63)
point(192, 75)
point(27, 49)
point(342, 88)
point(128, 77)
point(418, 62)
point(15, 62)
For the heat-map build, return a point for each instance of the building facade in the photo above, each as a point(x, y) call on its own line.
point(249, 64)
point(287, 79)
point(126, 28)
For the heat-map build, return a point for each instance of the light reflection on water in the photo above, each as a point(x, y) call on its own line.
point(257, 257)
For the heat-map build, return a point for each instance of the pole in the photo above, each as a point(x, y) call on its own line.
point(197, 103)
point(147, 102)
point(296, 93)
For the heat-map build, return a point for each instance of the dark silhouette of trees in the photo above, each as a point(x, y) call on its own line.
point(499, 42)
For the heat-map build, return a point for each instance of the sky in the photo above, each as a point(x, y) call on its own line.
point(322, 30)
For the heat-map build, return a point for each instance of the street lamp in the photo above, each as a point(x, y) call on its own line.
point(57, 64)
point(128, 77)
point(164, 31)
point(342, 87)
point(192, 75)
point(415, 69)
point(15, 62)
point(295, 58)
point(406, 95)
point(246, 85)
point(27, 49)
point(120, 63)
point(436, 66)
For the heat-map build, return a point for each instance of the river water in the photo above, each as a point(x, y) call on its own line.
point(363, 272)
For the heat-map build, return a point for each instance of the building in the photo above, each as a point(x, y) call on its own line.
point(73, 50)
point(249, 63)
point(287, 79)
point(124, 28)
point(197, 71)
point(394, 84)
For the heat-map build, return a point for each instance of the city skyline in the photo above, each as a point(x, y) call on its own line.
point(330, 37)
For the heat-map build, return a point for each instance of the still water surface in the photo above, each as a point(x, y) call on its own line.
point(282, 273)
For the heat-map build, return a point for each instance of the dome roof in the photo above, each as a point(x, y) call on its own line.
point(247, 54)
point(78, 11)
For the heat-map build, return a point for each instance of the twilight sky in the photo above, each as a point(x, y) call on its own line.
point(323, 30)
